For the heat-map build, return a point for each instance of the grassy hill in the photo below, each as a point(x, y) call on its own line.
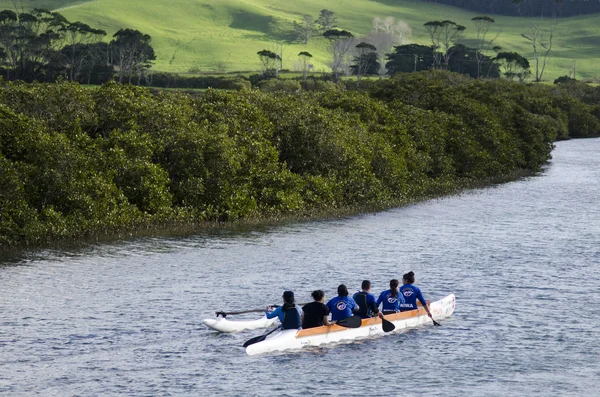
point(226, 34)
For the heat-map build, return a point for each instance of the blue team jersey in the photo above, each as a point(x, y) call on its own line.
point(341, 308)
point(390, 303)
point(411, 293)
point(294, 323)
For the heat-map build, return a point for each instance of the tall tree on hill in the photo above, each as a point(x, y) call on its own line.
point(132, 53)
point(340, 43)
point(451, 34)
point(79, 39)
point(269, 60)
point(31, 41)
point(409, 58)
point(385, 34)
point(482, 26)
point(443, 35)
point(366, 60)
point(434, 28)
point(326, 20)
point(305, 57)
point(8, 40)
point(514, 65)
point(305, 29)
point(541, 42)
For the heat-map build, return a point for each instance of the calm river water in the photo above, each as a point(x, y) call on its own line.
point(523, 259)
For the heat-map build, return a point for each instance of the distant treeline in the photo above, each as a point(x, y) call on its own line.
point(527, 8)
point(41, 45)
point(77, 162)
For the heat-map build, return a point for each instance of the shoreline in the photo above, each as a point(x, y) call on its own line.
point(187, 229)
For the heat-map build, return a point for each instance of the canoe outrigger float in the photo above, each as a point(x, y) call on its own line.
point(221, 324)
point(297, 339)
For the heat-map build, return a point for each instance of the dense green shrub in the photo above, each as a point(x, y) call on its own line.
point(77, 162)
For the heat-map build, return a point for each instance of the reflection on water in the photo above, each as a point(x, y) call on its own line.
point(522, 259)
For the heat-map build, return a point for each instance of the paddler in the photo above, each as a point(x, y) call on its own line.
point(342, 306)
point(366, 301)
point(391, 298)
point(314, 314)
point(289, 314)
point(411, 293)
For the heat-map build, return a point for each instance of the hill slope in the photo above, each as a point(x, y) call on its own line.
point(226, 34)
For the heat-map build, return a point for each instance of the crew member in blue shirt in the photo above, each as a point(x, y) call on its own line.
point(411, 293)
point(342, 306)
point(391, 299)
point(289, 315)
point(366, 301)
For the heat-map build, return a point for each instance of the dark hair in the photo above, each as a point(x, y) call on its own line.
point(394, 287)
point(409, 277)
point(318, 295)
point(342, 290)
point(366, 284)
point(288, 297)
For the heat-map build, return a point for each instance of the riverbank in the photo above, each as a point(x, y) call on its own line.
point(118, 161)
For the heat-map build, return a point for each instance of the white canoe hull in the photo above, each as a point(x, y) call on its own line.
point(297, 339)
point(223, 325)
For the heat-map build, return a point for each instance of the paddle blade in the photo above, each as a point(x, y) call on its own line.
point(255, 340)
point(387, 326)
point(350, 322)
point(436, 323)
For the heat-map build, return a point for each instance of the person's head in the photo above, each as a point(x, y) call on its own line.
point(318, 295)
point(288, 297)
point(366, 285)
point(342, 290)
point(408, 278)
point(394, 286)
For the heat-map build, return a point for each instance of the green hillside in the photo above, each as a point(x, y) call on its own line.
point(226, 34)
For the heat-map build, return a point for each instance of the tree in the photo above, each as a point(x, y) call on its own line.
point(443, 35)
point(451, 33)
point(305, 29)
point(514, 65)
point(539, 38)
point(385, 34)
point(304, 60)
point(326, 20)
point(465, 61)
point(482, 25)
point(269, 60)
point(434, 28)
point(79, 37)
point(133, 53)
point(30, 41)
point(340, 42)
point(366, 61)
point(409, 58)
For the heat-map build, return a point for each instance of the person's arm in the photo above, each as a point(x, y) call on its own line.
point(380, 299)
point(356, 307)
point(424, 303)
point(374, 307)
point(274, 313)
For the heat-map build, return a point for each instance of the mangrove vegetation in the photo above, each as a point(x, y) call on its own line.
point(78, 162)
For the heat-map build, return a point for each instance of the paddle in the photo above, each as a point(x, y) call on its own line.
point(225, 314)
point(436, 323)
point(350, 322)
point(259, 338)
point(387, 326)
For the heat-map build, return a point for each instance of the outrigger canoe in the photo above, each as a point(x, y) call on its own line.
point(297, 339)
point(221, 324)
